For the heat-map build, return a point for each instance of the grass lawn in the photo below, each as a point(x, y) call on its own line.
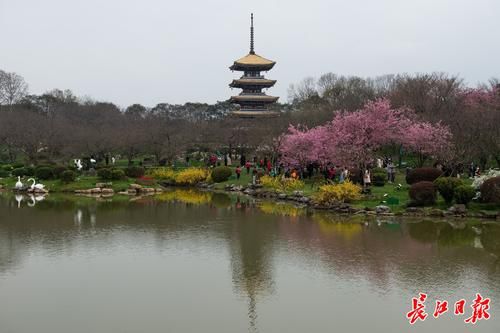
point(81, 183)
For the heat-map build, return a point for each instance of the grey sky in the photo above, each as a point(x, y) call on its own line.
point(153, 51)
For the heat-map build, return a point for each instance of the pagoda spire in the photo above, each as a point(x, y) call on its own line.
point(251, 34)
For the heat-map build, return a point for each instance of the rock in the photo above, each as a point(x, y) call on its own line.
point(436, 213)
point(413, 210)
point(158, 190)
point(381, 209)
point(457, 209)
point(304, 199)
point(249, 191)
point(135, 186)
point(107, 191)
point(131, 191)
point(123, 193)
point(104, 185)
point(298, 193)
point(282, 196)
point(147, 190)
point(96, 190)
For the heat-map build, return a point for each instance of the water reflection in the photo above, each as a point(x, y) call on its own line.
point(261, 240)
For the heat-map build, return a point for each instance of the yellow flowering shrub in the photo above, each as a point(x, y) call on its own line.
point(188, 196)
point(281, 184)
point(191, 176)
point(281, 209)
point(162, 173)
point(334, 193)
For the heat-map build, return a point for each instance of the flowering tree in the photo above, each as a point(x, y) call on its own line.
point(427, 140)
point(353, 138)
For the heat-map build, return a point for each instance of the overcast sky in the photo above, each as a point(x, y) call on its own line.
point(153, 51)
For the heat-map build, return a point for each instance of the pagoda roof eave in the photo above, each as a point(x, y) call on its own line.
point(254, 98)
point(241, 83)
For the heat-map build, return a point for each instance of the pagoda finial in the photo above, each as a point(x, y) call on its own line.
point(251, 34)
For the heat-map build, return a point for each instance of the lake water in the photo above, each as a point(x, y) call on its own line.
point(190, 261)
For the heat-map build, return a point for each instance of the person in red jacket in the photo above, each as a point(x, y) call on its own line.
point(238, 172)
point(247, 166)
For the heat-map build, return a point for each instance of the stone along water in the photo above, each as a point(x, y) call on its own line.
point(188, 261)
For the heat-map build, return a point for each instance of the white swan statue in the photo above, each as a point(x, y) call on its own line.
point(78, 164)
point(19, 199)
point(36, 186)
point(33, 202)
point(19, 185)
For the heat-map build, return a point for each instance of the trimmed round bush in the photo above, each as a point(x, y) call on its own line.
point(423, 193)
point(44, 173)
point(4, 173)
point(104, 174)
point(68, 176)
point(379, 176)
point(110, 174)
point(7, 167)
point(135, 171)
point(464, 194)
point(117, 174)
point(221, 174)
point(446, 187)
point(490, 190)
point(423, 174)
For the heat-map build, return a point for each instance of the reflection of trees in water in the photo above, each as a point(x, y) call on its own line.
point(251, 242)
point(425, 231)
point(490, 238)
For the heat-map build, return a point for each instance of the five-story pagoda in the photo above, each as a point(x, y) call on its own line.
point(253, 102)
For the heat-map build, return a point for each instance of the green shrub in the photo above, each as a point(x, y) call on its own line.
point(464, 194)
point(446, 187)
point(58, 170)
point(27, 171)
point(221, 174)
point(110, 174)
point(490, 190)
point(135, 171)
point(68, 176)
point(105, 174)
point(423, 194)
point(379, 176)
point(44, 173)
point(17, 165)
point(4, 173)
point(117, 174)
point(423, 174)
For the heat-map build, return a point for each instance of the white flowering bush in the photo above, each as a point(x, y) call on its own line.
point(478, 181)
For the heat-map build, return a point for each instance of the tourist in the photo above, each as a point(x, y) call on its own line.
point(477, 173)
point(254, 176)
point(247, 166)
point(341, 176)
point(238, 172)
point(269, 166)
point(366, 178)
point(243, 160)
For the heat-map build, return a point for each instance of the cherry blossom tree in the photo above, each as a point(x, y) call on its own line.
point(354, 138)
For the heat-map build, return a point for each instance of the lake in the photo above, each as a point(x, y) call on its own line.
point(189, 261)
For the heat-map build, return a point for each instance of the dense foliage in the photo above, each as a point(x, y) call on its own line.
point(423, 174)
point(135, 171)
point(464, 194)
point(221, 174)
point(281, 184)
point(447, 186)
point(490, 190)
point(44, 173)
point(332, 194)
point(423, 193)
point(379, 176)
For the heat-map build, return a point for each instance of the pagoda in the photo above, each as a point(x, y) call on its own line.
point(252, 101)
